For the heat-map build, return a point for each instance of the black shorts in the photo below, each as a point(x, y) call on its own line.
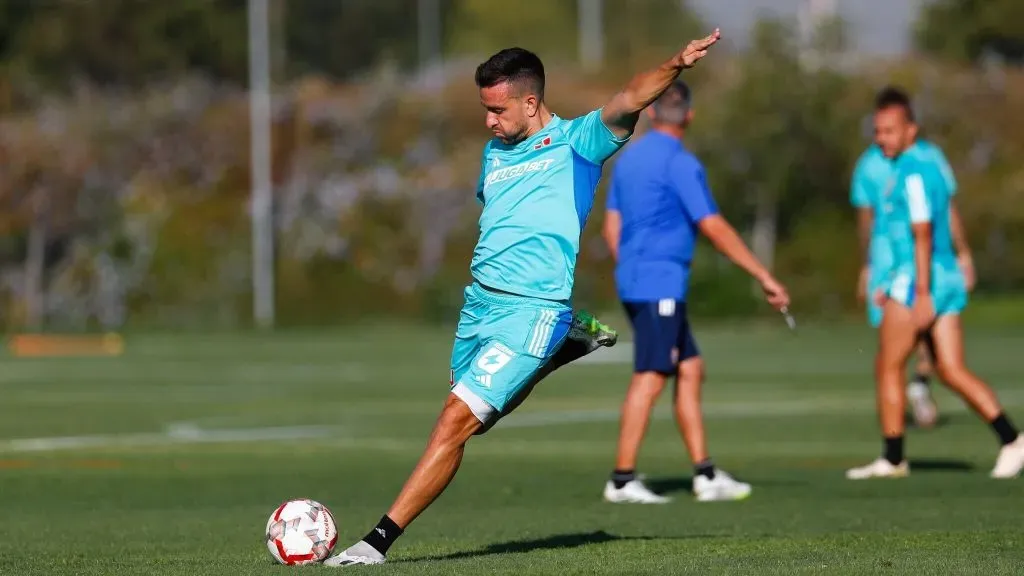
point(661, 335)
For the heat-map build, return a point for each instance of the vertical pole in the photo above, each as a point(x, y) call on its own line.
point(260, 164)
point(428, 20)
point(591, 34)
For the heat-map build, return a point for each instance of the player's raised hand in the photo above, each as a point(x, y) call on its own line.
point(697, 49)
point(775, 293)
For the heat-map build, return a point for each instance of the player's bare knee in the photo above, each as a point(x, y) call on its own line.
point(954, 374)
point(457, 422)
point(646, 385)
point(691, 371)
point(690, 377)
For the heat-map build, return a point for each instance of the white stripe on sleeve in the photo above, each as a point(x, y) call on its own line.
point(917, 199)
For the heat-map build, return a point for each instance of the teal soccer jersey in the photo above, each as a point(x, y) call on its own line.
point(921, 194)
point(873, 175)
point(536, 198)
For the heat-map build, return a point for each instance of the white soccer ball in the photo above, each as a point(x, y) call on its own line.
point(301, 532)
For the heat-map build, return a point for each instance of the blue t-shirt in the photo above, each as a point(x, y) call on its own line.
point(873, 176)
point(661, 192)
point(921, 194)
point(536, 197)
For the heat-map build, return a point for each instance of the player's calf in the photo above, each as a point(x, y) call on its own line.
point(948, 336)
point(433, 473)
point(586, 334)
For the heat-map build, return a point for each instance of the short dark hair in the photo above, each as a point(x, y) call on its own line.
point(673, 104)
point(894, 97)
point(514, 65)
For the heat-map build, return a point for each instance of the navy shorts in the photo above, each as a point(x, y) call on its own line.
point(661, 335)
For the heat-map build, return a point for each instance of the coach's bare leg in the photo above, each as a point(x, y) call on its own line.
point(949, 351)
point(688, 414)
point(439, 462)
point(644, 389)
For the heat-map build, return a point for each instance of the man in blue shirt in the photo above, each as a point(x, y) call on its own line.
point(872, 175)
point(658, 204)
point(923, 290)
point(537, 183)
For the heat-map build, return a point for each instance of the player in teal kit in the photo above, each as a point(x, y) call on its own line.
point(873, 175)
point(537, 184)
point(923, 290)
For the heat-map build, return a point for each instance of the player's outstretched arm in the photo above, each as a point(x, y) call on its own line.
point(865, 222)
point(622, 112)
point(963, 249)
point(727, 241)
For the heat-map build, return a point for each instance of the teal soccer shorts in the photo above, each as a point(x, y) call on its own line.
point(948, 289)
point(500, 343)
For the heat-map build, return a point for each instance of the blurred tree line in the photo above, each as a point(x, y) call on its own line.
point(124, 151)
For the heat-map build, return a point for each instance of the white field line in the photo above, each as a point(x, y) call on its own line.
point(733, 410)
point(189, 433)
point(182, 433)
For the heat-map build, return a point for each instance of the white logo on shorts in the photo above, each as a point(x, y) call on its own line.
point(484, 380)
point(494, 359)
point(667, 307)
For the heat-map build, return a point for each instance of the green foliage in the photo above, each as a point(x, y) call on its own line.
point(480, 28)
point(778, 132)
point(340, 38)
point(374, 174)
point(966, 29)
point(126, 42)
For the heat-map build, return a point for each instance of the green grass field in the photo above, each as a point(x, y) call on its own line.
point(169, 459)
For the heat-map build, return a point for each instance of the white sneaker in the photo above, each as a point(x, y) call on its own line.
point(723, 487)
point(922, 406)
point(359, 554)
point(632, 492)
point(880, 468)
point(1010, 460)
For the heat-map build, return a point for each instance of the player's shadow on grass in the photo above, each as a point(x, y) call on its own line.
point(679, 484)
point(558, 541)
point(940, 465)
point(669, 485)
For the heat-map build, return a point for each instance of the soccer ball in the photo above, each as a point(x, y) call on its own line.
point(301, 532)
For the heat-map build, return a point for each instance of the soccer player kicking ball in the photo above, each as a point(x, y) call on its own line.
point(871, 177)
point(537, 183)
point(925, 291)
point(658, 205)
